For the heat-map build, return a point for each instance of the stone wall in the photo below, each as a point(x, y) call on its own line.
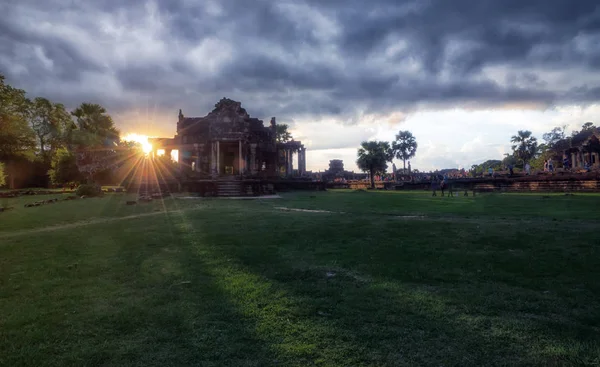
point(521, 184)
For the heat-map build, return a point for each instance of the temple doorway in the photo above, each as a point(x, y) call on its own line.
point(228, 159)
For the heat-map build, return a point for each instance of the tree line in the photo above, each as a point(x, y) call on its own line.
point(43, 143)
point(527, 149)
point(373, 156)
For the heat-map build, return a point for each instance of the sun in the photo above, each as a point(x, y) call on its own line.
point(141, 139)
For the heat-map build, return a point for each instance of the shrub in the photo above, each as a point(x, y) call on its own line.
point(64, 168)
point(2, 175)
point(89, 190)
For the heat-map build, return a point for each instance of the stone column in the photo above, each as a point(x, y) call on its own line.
point(214, 155)
point(197, 166)
point(253, 159)
point(240, 158)
point(302, 161)
point(218, 158)
point(290, 162)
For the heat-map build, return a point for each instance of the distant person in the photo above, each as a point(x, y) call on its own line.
point(491, 172)
point(527, 169)
point(550, 165)
point(565, 162)
point(510, 169)
point(434, 186)
point(545, 165)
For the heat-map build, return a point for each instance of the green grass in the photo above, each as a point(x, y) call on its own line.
point(490, 280)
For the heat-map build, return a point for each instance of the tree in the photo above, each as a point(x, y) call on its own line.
point(509, 160)
point(588, 126)
point(482, 168)
point(49, 121)
point(95, 139)
point(554, 136)
point(64, 168)
point(405, 146)
point(282, 135)
point(373, 157)
point(16, 137)
point(525, 146)
point(94, 126)
point(17, 140)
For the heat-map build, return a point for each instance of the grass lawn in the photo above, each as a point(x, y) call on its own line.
point(357, 279)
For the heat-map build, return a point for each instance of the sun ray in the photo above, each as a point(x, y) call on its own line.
point(140, 139)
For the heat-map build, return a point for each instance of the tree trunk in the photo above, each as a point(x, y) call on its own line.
point(404, 164)
point(372, 174)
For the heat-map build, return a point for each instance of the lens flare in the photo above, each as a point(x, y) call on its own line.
point(141, 139)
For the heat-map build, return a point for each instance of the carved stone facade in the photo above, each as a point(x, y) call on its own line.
point(228, 142)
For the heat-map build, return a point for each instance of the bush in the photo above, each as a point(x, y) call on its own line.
point(88, 190)
point(64, 168)
point(2, 175)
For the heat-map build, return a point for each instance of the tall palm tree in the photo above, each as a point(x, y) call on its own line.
point(525, 146)
point(405, 146)
point(95, 126)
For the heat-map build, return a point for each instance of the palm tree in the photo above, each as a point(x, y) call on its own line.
point(373, 157)
point(525, 146)
point(95, 124)
point(405, 146)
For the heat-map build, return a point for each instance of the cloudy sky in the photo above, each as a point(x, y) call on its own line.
point(462, 75)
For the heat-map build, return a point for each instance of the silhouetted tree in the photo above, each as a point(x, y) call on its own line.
point(282, 135)
point(373, 157)
point(405, 146)
point(525, 146)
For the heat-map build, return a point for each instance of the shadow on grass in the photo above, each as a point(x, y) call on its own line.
point(310, 310)
point(183, 316)
point(120, 294)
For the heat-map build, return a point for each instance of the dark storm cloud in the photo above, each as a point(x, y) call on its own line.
point(305, 58)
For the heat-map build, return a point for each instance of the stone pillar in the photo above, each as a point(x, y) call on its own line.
point(241, 158)
point(290, 162)
point(214, 158)
point(218, 159)
point(253, 159)
point(197, 149)
point(302, 161)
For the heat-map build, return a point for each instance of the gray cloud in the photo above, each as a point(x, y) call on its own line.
point(310, 58)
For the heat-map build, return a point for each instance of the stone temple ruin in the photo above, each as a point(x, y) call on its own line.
point(227, 152)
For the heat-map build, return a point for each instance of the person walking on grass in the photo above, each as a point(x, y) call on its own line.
point(434, 186)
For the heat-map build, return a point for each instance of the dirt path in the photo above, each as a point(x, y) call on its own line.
point(82, 223)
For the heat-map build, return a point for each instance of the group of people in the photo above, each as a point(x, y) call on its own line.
point(549, 165)
point(439, 182)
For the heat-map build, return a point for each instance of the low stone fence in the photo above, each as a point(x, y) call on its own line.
point(518, 184)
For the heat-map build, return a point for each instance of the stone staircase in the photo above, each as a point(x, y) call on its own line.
point(229, 187)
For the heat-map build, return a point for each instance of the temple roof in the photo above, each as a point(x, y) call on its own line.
point(227, 118)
